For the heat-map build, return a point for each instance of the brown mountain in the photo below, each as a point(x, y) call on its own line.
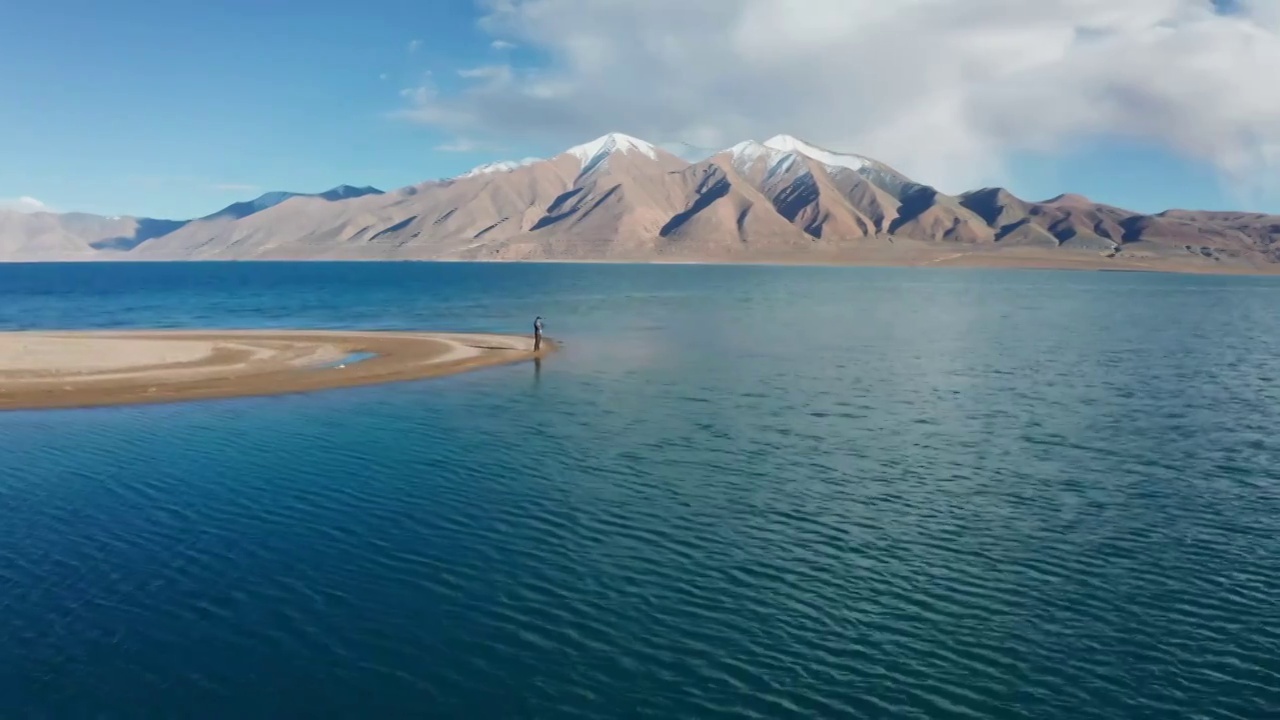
point(74, 236)
point(619, 198)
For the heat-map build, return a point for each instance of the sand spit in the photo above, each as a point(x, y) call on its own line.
point(66, 369)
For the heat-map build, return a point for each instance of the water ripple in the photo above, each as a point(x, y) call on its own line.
point(944, 509)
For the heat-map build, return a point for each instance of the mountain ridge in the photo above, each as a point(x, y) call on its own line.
point(621, 198)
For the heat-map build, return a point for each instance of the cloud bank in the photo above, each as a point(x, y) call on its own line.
point(464, 145)
point(24, 204)
point(945, 90)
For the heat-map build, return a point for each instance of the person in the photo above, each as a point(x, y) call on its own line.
point(537, 333)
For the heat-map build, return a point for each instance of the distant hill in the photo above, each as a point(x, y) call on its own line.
point(621, 198)
point(244, 209)
point(26, 236)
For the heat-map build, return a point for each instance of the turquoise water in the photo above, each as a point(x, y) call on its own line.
point(348, 359)
point(736, 493)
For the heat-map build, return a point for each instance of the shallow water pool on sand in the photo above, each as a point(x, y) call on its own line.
point(350, 359)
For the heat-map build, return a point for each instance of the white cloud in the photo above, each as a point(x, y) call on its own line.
point(689, 152)
point(945, 90)
point(415, 45)
point(464, 145)
point(499, 74)
point(502, 45)
point(25, 204)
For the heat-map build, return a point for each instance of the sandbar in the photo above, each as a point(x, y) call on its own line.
point(69, 369)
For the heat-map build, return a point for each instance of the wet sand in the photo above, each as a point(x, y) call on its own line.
point(67, 369)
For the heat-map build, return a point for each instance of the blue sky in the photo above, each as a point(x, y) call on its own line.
point(120, 108)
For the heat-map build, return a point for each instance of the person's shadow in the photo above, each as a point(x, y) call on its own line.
point(537, 371)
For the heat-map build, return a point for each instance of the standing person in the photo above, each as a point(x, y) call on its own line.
point(537, 333)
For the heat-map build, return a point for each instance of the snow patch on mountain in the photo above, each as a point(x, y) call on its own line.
point(746, 154)
point(498, 167)
point(778, 163)
point(787, 143)
point(750, 151)
point(782, 166)
point(594, 153)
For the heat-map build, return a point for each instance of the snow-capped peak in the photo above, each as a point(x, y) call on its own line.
point(786, 143)
point(746, 154)
point(591, 153)
point(750, 150)
point(498, 167)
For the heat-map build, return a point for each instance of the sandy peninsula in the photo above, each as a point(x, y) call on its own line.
point(67, 369)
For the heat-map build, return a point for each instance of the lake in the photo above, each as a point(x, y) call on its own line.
point(736, 492)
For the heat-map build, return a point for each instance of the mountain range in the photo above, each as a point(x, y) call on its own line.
point(618, 198)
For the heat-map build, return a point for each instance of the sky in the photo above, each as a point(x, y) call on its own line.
point(122, 108)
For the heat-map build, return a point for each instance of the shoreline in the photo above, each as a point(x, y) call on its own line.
point(66, 369)
point(982, 259)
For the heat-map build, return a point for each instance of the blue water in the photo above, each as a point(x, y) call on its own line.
point(737, 492)
point(348, 359)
